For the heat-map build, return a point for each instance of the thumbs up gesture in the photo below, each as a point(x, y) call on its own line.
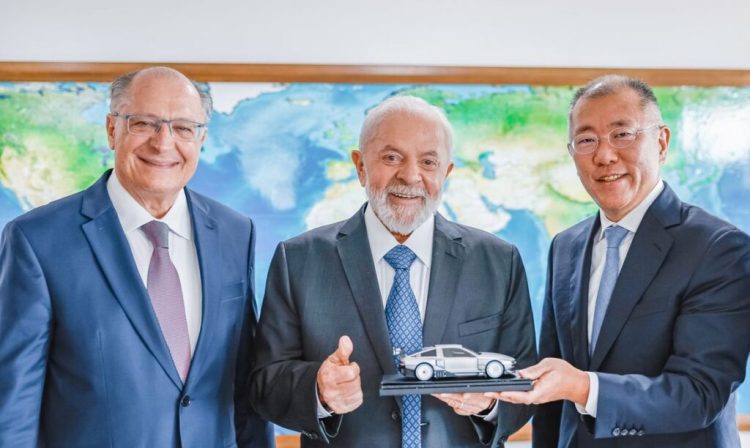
point(339, 386)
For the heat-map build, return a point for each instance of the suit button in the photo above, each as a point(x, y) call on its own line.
point(185, 401)
point(632, 432)
point(616, 432)
point(640, 432)
point(395, 416)
point(310, 435)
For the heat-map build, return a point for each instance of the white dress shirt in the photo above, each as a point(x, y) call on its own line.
point(630, 222)
point(420, 242)
point(181, 247)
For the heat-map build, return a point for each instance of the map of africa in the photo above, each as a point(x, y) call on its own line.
point(280, 154)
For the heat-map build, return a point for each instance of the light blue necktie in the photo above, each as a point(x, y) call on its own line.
point(405, 328)
point(614, 235)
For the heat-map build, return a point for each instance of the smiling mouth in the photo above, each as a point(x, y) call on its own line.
point(610, 178)
point(158, 164)
point(405, 196)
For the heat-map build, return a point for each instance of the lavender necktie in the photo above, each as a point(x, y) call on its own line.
point(164, 288)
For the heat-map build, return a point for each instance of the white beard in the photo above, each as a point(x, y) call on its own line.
point(402, 219)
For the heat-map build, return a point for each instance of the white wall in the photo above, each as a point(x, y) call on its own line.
point(585, 33)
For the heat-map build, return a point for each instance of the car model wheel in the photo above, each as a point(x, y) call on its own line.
point(424, 372)
point(494, 369)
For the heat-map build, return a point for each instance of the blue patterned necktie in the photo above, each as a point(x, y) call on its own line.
point(405, 328)
point(614, 235)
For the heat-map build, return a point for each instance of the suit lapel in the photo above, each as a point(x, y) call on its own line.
point(579, 291)
point(112, 251)
point(208, 248)
point(447, 259)
point(649, 248)
point(356, 258)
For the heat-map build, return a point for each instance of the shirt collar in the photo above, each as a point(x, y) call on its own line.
point(381, 240)
point(132, 215)
point(633, 219)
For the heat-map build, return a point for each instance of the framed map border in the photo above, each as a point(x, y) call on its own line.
point(50, 71)
point(380, 74)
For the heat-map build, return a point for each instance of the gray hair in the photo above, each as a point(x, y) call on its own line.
point(610, 84)
point(410, 105)
point(118, 90)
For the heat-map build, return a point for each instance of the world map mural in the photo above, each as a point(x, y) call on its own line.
point(280, 153)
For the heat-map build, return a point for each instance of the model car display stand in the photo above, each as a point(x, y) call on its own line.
point(397, 384)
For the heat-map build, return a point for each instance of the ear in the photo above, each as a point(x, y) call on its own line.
point(664, 137)
point(359, 165)
point(448, 171)
point(203, 138)
point(111, 122)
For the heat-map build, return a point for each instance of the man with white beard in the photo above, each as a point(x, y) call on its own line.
point(397, 274)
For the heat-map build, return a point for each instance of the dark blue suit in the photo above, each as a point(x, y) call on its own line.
point(83, 362)
point(674, 342)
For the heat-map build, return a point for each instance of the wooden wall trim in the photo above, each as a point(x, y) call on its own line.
point(523, 434)
point(102, 71)
point(743, 422)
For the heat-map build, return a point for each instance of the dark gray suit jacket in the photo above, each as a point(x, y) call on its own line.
point(674, 341)
point(322, 285)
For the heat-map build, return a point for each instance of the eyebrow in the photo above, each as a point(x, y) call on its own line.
point(389, 147)
point(614, 124)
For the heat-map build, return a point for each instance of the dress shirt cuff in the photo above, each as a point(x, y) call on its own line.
point(592, 402)
point(492, 414)
point(322, 411)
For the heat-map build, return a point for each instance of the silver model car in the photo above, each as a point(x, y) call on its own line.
point(454, 360)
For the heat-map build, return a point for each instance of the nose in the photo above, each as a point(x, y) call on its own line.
point(163, 138)
point(605, 154)
point(409, 173)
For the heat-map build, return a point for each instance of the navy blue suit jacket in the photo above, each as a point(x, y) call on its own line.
point(82, 358)
point(674, 342)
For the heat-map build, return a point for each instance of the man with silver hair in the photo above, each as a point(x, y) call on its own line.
point(404, 217)
point(127, 310)
point(397, 274)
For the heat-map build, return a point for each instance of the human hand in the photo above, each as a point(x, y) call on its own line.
point(339, 385)
point(466, 404)
point(553, 379)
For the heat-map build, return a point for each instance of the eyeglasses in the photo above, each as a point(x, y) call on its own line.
point(619, 138)
point(147, 125)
